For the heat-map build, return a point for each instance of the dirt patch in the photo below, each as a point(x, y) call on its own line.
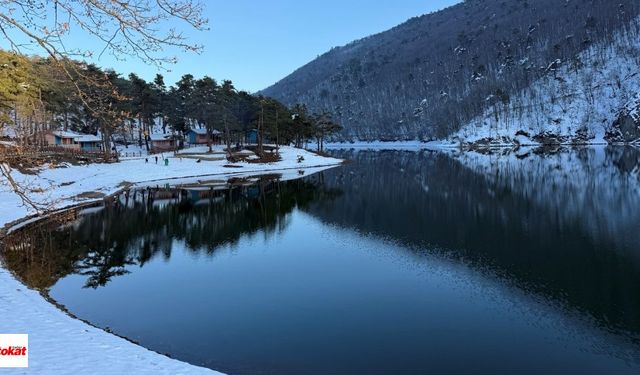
point(266, 157)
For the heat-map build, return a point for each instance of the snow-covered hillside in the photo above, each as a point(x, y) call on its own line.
point(587, 99)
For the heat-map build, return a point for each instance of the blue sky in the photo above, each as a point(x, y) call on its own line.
point(256, 43)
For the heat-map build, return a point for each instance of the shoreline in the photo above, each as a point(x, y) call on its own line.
point(62, 342)
point(12, 226)
point(447, 145)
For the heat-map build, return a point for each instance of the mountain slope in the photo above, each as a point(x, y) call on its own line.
point(594, 99)
point(435, 73)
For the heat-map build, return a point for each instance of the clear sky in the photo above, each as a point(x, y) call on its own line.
point(255, 43)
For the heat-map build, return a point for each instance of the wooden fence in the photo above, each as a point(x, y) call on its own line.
point(48, 154)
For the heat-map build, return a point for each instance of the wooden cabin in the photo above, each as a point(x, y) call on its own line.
point(74, 141)
point(200, 137)
point(163, 142)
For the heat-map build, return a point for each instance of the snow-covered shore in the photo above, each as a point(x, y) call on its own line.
point(69, 186)
point(60, 344)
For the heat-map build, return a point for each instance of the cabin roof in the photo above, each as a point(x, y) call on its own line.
point(65, 134)
point(88, 138)
point(204, 131)
point(161, 137)
point(78, 137)
point(199, 131)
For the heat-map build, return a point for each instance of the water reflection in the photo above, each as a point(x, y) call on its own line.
point(144, 224)
point(456, 255)
point(566, 225)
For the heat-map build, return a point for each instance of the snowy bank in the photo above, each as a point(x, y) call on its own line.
point(394, 145)
point(60, 344)
point(77, 184)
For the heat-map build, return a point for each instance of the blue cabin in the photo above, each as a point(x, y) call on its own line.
point(252, 136)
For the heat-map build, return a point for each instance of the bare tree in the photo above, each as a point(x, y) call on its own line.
point(124, 28)
point(121, 28)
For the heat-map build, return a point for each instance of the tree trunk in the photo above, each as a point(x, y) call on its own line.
point(277, 136)
point(147, 134)
point(106, 141)
point(209, 136)
point(260, 127)
point(130, 133)
point(227, 138)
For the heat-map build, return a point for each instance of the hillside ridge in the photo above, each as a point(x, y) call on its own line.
point(433, 74)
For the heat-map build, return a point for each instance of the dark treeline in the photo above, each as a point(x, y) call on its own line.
point(38, 95)
point(434, 73)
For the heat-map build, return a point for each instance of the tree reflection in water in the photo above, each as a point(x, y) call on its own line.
point(140, 226)
point(563, 226)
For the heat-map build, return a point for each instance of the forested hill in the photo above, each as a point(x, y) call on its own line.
point(435, 73)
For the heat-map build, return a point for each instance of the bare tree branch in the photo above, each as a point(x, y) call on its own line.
point(126, 28)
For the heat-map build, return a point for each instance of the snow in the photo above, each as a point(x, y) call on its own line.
point(584, 94)
point(397, 145)
point(65, 134)
point(203, 149)
point(88, 138)
point(132, 150)
point(62, 186)
point(60, 344)
point(160, 137)
point(7, 144)
point(199, 131)
point(7, 131)
point(204, 131)
point(632, 108)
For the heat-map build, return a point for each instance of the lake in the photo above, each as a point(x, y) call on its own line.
point(401, 262)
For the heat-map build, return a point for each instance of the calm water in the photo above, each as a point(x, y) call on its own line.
point(399, 262)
